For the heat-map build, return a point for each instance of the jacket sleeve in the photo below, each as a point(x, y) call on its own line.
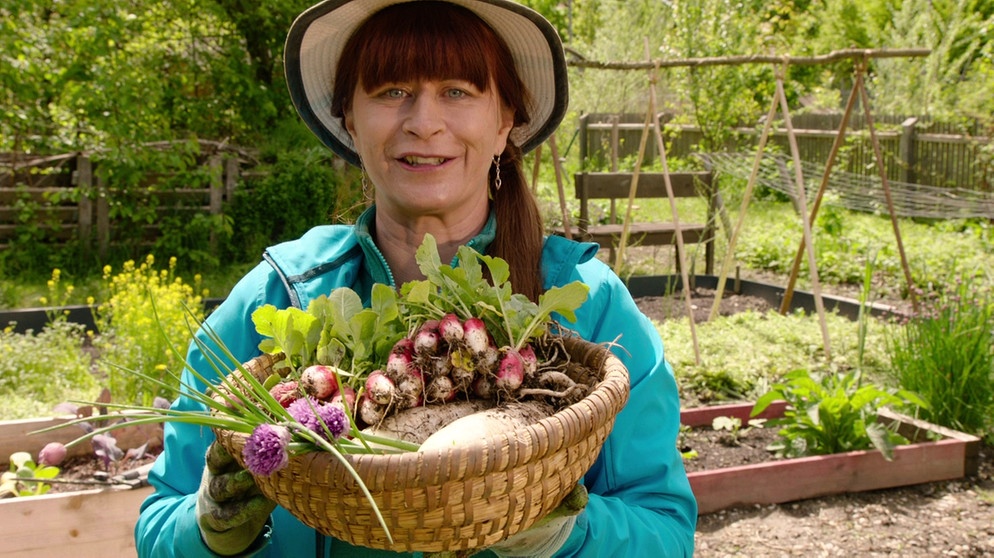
point(640, 502)
point(167, 524)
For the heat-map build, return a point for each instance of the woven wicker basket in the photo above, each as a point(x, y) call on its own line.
point(459, 499)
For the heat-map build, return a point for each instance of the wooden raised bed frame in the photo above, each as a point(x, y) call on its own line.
point(953, 456)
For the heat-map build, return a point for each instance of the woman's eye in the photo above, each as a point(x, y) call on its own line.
point(455, 93)
point(393, 93)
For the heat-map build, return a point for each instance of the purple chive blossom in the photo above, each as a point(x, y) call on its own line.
point(312, 413)
point(52, 454)
point(265, 451)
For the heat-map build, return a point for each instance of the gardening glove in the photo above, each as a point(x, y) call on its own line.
point(231, 511)
point(543, 539)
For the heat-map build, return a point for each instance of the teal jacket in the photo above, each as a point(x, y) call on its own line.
point(640, 499)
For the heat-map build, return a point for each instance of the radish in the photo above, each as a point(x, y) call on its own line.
point(529, 360)
point(479, 426)
point(285, 392)
point(451, 329)
point(510, 371)
point(417, 424)
point(379, 388)
point(440, 389)
point(426, 340)
point(482, 387)
point(319, 381)
point(401, 359)
point(370, 411)
point(345, 397)
point(476, 336)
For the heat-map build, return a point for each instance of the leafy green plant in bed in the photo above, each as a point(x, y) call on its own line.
point(945, 352)
point(833, 413)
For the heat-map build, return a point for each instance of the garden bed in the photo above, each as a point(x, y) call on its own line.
point(952, 455)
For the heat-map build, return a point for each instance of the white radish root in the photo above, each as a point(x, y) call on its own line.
point(417, 424)
point(481, 425)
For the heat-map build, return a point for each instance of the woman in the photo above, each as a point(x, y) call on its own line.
point(436, 102)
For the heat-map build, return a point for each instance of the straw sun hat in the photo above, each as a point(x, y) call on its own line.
point(319, 34)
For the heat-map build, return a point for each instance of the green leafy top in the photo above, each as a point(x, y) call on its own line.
point(834, 414)
point(337, 330)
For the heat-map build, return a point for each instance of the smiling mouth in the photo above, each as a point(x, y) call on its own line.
point(419, 161)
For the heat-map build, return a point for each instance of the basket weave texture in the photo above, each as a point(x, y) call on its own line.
point(460, 498)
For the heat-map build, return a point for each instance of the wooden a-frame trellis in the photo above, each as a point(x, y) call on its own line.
point(781, 65)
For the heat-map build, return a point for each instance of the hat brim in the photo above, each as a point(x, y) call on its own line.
point(317, 37)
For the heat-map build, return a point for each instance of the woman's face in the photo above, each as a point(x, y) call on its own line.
point(427, 145)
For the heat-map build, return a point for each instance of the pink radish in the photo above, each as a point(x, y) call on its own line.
point(319, 381)
point(510, 371)
point(441, 389)
point(476, 336)
point(451, 329)
point(482, 387)
point(345, 397)
point(400, 360)
point(426, 340)
point(529, 360)
point(370, 411)
point(285, 392)
point(379, 388)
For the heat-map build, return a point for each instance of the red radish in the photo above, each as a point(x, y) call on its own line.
point(319, 381)
point(441, 389)
point(426, 340)
point(53, 454)
point(529, 360)
point(510, 371)
point(345, 396)
point(451, 329)
point(461, 377)
point(482, 387)
point(400, 360)
point(370, 411)
point(285, 392)
point(379, 388)
point(476, 336)
point(488, 359)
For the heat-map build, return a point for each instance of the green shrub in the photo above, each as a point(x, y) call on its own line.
point(945, 352)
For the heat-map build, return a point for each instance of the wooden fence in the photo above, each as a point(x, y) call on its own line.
point(61, 199)
point(915, 151)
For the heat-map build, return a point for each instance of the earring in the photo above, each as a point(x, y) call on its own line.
point(497, 182)
point(365, 183)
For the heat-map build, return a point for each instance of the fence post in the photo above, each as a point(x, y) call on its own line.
point(231, 175)
point(84, 183)
point(216, 194)
point(103, 219)
point(906, 149)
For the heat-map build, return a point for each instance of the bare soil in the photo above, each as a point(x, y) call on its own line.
point(952, 518)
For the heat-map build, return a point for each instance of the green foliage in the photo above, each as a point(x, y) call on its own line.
point(129, 338)
point(22, 467)
point(945, 352)
point(298, 189)
point(777, 344)
point(832, 414)
point(42, 369)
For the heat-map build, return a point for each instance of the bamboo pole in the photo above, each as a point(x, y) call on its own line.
point(680, 250)
point(887, 195)
point(557, 165)
point(619, 256)
point(726, 262)
point(834, 56)
point(803, 210)
point(836, 146)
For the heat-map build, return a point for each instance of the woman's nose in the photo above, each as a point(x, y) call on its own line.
point(425, 117)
